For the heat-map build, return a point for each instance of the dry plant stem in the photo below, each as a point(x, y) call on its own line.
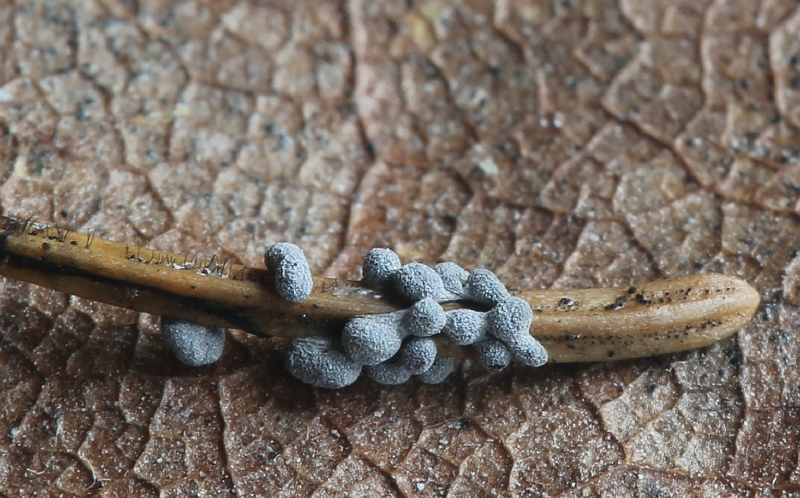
point(573, 325)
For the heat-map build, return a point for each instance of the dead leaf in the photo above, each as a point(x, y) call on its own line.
point(562, 144)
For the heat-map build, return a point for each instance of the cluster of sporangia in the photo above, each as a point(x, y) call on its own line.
point(394, 346)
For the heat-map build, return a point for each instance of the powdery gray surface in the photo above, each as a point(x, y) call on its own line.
point(288, 264)
point(483, 287)
point(492, 353)
point(509, 319)
point(389, 373)
point(415, 281)
point(465, 326)
point(319, 362)
point(191, 343)
point(527, 350)
point(561, 144)
point(453, 277)
point(418, 354)
point(378, 267)
point(373, 339)
point(439, 371)
point(424, 318)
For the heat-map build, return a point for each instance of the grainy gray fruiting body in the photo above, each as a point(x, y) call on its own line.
point(288, 264)
point(465, 326)
point(418, 354)
point(373, 339)
point(379, 266)
point(276, 252)
point(453, 278)
point(317, 361)
point(441, 368)
point(193, 344)
point(425, 318)
point(509, 319)
point(485, 288)
point(416, 281)
point(492, 353)
point(389, 373)
point(528, 350)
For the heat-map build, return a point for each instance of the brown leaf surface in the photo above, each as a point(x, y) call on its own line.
point(559, 143)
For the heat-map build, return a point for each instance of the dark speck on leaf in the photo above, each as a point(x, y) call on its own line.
point(651, 490)
point(284, 141)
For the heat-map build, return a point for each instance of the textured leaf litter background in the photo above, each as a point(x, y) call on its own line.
point(561, 144)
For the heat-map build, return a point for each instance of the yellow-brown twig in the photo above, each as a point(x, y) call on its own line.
point(573, 325)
